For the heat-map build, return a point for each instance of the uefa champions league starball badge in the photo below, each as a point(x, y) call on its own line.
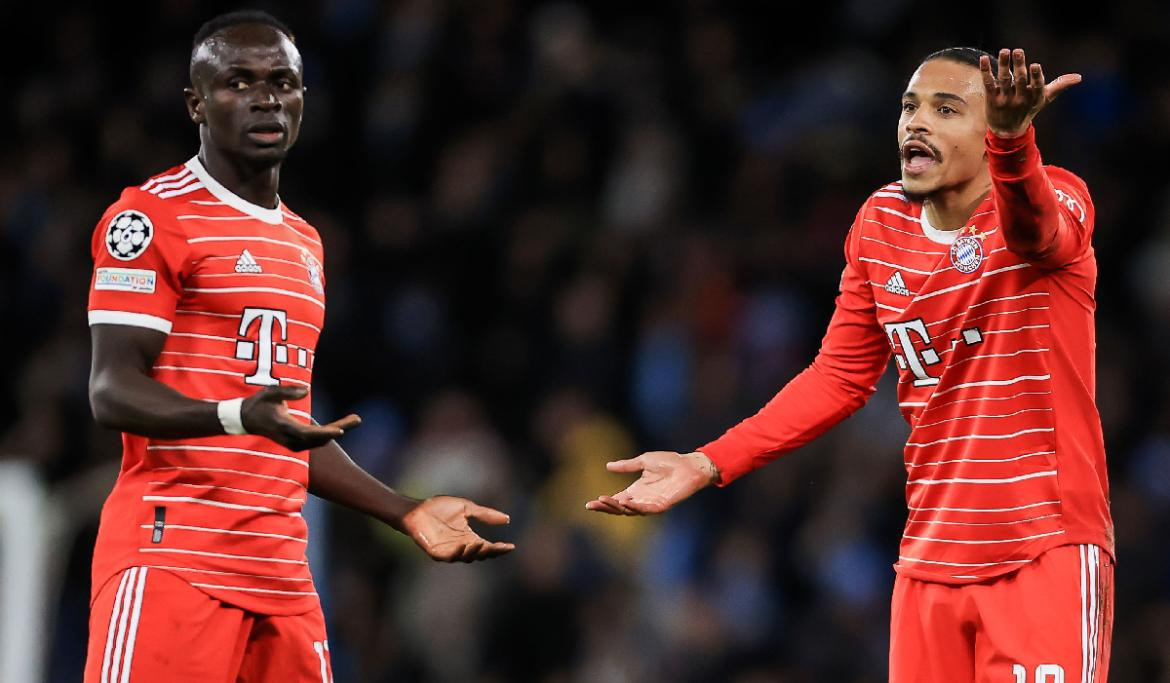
point(967, 250)
point(128, 235)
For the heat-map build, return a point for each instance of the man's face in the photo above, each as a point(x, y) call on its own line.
point(940, 132)
point(248, 91)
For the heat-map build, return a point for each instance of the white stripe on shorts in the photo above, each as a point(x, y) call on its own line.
point(110, 629)
point(122, 631)
point(132, 637)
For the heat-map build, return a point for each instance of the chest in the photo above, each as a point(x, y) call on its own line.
point(940, 304)
point(256, 267)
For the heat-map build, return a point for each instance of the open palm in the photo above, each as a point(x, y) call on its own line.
point(1016, 91)
point(666, 479)
point(441, 527)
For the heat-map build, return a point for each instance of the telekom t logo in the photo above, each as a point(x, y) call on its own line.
point(262, 350)
point(900, 338)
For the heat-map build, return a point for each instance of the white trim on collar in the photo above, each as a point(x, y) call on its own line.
point(271, 216)
point(934, 234)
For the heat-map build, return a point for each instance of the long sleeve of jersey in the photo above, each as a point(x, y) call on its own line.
point(853, 355)
point(1046, 213)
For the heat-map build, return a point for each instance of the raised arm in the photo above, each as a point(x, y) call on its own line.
point(853, 355)
point(1044, 219)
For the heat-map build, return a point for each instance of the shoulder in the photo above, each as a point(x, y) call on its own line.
point(1071, 191)
point(892, 199)
point(300, 226)
point(160, 196)
point(889, 194)
point(143, 214)
point(889, 205)
point(1064, 178)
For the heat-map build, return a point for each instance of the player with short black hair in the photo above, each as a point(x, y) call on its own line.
point(206, 303)
point(977, 273)
point(243, 16)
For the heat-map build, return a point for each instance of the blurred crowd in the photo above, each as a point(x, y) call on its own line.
point(562, 233)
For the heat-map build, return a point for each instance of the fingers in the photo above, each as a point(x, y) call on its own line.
point(483, 550)
point(631, 465)
point(609, 505)
point(302, 437)
point(985, 69)
point(1019, 71)
point(487, 515)
point(282, 393)
point(472, 551)
point(495, 550)
point(1004, 75)
point(1036, 77)
point(1061, 84)
point(602, 506)
point(345, 424)
point(641, 506)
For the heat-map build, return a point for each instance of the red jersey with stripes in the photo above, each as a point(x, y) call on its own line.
point(991, 328)
point(239, 291)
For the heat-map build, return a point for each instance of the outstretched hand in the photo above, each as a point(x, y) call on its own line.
point(266, 414)
point(440, 526)
point(1016, 92)
point(667, 478)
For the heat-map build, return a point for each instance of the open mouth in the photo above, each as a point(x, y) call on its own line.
point(266, 133)
point(917, 157)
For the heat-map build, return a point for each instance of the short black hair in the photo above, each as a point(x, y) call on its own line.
point(963, 55)
point(243, 16)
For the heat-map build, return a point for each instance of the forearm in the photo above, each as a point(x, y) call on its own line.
point(1029, 212)
point(132, 402)
point(807, 407)
point(334, 476)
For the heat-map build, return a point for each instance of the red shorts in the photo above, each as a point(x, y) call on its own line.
point(1049, 622)
point(150, 625)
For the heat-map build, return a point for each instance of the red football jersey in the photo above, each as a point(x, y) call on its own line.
point(995, 353)
point(239, 291)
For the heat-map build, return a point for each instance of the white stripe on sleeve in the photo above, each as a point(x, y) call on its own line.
point(153, 322)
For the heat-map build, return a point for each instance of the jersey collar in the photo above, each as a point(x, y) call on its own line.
point(946, 236)
point(934, 234)
point(272, 216)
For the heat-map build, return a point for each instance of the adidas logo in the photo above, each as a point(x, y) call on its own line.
point(247, 264)
point(896, 285)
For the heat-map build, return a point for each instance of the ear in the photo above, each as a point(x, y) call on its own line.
point(194, 105)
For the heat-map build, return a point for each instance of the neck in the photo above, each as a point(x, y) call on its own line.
point(951, 208)
point(255, 183)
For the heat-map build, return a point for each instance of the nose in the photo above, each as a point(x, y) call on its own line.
point(265, 99)
point(917, 122)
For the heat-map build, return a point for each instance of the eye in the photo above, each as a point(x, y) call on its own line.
point(947, 110)
point(285, 84)
point(237, 84)
point(908, 107)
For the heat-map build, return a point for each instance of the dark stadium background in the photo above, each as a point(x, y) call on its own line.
point(558, 234)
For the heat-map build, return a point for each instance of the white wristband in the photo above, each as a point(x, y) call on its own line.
point(230, 416)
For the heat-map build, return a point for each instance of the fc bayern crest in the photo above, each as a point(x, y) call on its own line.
point(128, 235)
point(313, 266)
point(967, 253)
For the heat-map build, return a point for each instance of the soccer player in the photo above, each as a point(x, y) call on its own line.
point(976, 272)
point(206, 303)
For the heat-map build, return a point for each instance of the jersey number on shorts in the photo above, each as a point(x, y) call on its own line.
point(1045, 673)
